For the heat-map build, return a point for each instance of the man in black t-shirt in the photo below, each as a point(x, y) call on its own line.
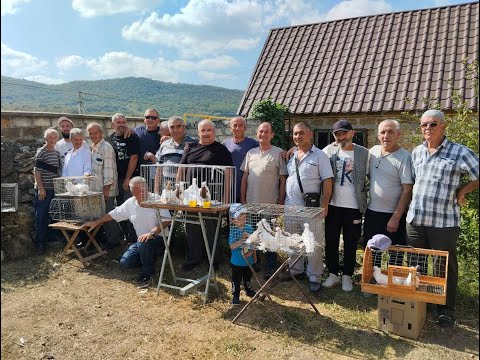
point(126, 152)
point(208, 152)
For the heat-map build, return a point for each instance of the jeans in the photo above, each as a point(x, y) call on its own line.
point(126, 226)
point(143, 254)
point(42, 219)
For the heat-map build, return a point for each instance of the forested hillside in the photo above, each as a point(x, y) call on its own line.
point(130, 96)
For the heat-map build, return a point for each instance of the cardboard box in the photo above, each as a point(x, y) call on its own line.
point(400, 316)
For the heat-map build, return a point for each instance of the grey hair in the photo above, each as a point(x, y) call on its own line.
point(89, 126)
point(172, 119)
point(304, 124)
point(395, 123)
point(239, 118)
point(164, 125)
point(206, 121)
point(136, 180)
point(437, 114)
point(76, 131)
point(50, 131)
point(117, 115)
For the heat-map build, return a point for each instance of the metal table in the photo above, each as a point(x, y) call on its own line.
point(183, 214)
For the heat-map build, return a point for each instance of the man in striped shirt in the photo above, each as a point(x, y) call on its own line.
point(433, 219)
point(47, 165)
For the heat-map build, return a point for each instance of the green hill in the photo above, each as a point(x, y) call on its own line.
point(130, 96)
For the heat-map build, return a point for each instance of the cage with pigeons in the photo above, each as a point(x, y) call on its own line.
point(406, 272)
point(9, 197)
point(205, 186)
point(77, 199)
point(279, 228)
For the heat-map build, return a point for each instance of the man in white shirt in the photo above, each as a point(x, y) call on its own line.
point(65, 144)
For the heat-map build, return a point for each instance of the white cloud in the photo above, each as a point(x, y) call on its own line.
point(10, 7)
point(355, 8)
point(20, 64)
point(68, 62)
point(92, 8)
point(44, 79)
point(291, 12)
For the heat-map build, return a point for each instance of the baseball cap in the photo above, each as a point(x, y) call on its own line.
point(380, 242)
point(237, 209)
point(342, 125)
point(63, 118)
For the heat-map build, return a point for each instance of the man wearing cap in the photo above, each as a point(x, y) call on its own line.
point(314, 172)
point(65, 144)
point(391, 185)
point(433, 218)
point(349, 200)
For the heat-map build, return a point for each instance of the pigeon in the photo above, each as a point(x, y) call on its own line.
point(382, 279)
point(168, 195)
point(77, 189)
point(204, 193)
point(308, 239)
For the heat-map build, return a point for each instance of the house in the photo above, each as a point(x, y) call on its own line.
point(366, 69)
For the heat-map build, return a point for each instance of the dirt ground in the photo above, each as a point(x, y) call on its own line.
point(59, 309)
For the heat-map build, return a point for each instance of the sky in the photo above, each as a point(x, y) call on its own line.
point(211, 42)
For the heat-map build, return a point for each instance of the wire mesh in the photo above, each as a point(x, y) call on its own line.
point(191, 185)
point(77, 185)
point(77, 209)
point(278, 228)
point(9, 197)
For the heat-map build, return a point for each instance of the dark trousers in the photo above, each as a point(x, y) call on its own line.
point(348, 221)
point(126, 226)
point(439, 239)
point(195, 244)
point(239, 274)
point(143, 254)
point(42, 219)
point(376, 223)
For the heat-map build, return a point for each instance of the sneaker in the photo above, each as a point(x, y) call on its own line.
point(236, 300)
point(331, 281)
point(347, 283)
point(314, 286)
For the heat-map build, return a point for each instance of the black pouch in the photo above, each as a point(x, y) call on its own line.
point(311, 199)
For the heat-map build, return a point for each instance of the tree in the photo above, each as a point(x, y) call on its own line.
point(269, 111)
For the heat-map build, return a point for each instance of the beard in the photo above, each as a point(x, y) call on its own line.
point(65, 136)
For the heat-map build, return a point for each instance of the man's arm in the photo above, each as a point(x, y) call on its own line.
point(326, 195)
point(132, 165)
point(243, 187)
point(403, 202)
point(464, 190)
point(90, 225)
point(281, 194)
point(153, 232)
point(42, 193)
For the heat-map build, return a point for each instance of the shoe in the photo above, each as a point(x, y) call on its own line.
point(190, 265)
point(314, 286)
point(347, 283)
point(236, 300)
point(143, 280)
point(331, 281)
point(249, 290)
point(446, 321)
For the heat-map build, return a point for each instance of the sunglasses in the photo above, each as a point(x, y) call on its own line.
point(151, 117)
point(432, 124)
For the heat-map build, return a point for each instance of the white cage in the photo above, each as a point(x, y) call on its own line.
point(9, 197)
point(191, 185)
point(77, 185)
point(278, 228)
point(77, 209)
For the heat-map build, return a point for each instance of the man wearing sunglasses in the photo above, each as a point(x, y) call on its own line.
point(433, 219)
point(148, 136)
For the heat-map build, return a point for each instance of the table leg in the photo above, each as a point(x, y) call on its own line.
point(166, 254)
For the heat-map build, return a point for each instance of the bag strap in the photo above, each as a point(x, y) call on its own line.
point(298, 175)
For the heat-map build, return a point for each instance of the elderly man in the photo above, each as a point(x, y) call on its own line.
point(349, 200)
point(391, 185)
point(104, 165)
point(150, 243)
point(433, 219)
point(126, 154)
point(65, 144)
point(148, 135)
point(208, 152)
point(311, 167)
point(239, 145)
point(77, 160)
point(263, 180)
point(47, 165)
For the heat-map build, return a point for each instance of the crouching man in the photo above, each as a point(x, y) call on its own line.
point(149, 243)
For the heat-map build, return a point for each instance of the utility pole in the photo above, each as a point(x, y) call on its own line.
point(80, 103)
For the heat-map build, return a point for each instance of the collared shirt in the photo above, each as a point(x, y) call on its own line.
point(171, 152)
point(437, 179)
point(313, 168)
point(77, 162)
point(63, 147)
point(104, 165)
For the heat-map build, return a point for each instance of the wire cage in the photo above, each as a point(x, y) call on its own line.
point(77, 209)
point(77, 185)
point(279, 228)
point(406, 272)
point(9, 197)
point(206, 186)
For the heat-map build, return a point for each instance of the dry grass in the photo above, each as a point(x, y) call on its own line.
point(62, 310)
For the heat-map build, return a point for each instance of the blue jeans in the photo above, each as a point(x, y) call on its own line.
point(42, 219)
point(143, 254)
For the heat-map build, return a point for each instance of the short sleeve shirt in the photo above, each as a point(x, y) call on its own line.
point(124, 149)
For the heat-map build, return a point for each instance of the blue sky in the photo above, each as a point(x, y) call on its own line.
point(213, 42)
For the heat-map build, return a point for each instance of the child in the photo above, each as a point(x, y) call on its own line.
point(239, 232)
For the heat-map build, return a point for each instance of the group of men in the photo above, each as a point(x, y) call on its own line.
point(413, 198)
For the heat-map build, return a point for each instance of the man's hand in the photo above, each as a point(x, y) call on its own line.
point(461, 199)
point(145, 237)
point(324, 212)
point(90, 225)
point(125, 185)
point(392, 225)
point(149, 156)
point(42, 194)
point(127, 132)
point(163, 138)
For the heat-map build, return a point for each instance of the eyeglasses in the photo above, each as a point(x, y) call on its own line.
point(151, 117)
point(426, 125)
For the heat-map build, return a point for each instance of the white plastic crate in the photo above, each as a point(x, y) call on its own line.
point(9, 197)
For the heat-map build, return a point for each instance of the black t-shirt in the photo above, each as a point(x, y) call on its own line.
point(213, 154)
point(124, 148)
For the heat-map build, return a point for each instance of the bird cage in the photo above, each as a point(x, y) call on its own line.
point(9, 197)
point(77, 185)
point(77, 209)
point(206, 186)
point(279, 228)
point(406, 272)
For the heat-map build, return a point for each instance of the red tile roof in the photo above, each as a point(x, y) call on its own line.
point(367, 64)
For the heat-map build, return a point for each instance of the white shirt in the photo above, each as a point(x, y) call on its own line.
point(344, 189)
point(143, 219)
point(78, 162)
point(63, 147)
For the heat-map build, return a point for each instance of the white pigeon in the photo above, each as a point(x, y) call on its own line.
point(266, 226)
point(382, 279)
point(308, 239)
point(204, 193)
point(168, 194)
